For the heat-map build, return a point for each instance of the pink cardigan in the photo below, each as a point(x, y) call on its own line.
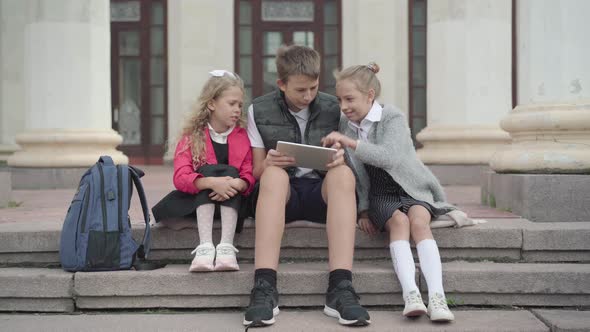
point(239, 156)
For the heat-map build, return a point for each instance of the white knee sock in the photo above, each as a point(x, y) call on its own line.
point(205, 222)
point(229, 219)
point(403, 265)
point(430, 265)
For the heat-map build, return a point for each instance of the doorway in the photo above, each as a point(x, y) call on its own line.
point(139, 78)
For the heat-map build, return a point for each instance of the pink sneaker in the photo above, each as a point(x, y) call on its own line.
point(204, 256)
point(226, 258)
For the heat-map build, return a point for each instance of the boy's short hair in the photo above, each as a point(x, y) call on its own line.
point(297, 60)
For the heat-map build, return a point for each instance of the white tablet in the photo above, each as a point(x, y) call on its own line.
point(308, 156)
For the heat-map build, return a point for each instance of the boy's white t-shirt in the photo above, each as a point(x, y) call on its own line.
point(256, 140)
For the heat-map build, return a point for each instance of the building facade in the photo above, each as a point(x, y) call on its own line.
point(91, 77)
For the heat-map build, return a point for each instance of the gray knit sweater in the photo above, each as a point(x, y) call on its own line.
point(390, 147)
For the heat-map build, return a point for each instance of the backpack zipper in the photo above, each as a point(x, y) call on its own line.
point(84, 213)
point(103, 202)
point(120, 195)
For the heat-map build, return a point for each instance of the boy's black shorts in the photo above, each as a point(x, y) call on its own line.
point(305, 202)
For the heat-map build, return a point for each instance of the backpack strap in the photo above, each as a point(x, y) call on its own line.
point(144, 248)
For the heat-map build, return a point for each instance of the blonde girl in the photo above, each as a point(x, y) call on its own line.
point(212, 167)
point(396, 192)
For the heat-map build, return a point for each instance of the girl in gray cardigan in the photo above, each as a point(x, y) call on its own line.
point(396, 192)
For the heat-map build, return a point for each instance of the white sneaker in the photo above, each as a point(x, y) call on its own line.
point(226, 258)
point(414, 305)
point(438, 310)
point(204, 257)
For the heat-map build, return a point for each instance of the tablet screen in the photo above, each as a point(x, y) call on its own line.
point(308, 156)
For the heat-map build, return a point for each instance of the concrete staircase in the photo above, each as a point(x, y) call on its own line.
point(505, 262)
point(504, 265)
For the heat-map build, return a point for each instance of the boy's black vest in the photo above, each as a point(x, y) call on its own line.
point(276, 123)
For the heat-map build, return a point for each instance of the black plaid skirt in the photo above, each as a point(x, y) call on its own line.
point(386, 196)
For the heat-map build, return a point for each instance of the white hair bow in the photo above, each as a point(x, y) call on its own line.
point(221, 72)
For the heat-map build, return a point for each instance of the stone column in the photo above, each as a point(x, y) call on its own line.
point(468, 86)
point(366, 24)
point(67, 86)
point(550, 127)
point(12, 120)
point(192, 55)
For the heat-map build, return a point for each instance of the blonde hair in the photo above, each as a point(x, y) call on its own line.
point(196, 121)
point(363, 76)
point(297, 60)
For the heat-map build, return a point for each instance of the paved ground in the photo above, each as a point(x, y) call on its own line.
point(291, 320)
point(51, 205)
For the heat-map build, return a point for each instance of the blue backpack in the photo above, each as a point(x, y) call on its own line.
point(96, 234)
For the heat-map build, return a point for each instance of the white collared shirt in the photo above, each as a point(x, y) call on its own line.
point(302, 117)
point(220, 138)
point(363, 128)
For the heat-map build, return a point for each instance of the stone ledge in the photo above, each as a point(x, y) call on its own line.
point(300, 284)
point(519, 278)
point(498, 239)
point(37, 304)
point(213, 301)
point(298, 278)
point(557, 236)
point(46, 178)
point(5, 186)
point(557, 256)
point(564, 320)
point(360, 254)
point(35, 283)
point(539, 197)
point(292, 320)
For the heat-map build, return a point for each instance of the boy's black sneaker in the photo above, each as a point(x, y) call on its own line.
point(264, 305)
point(342, 303)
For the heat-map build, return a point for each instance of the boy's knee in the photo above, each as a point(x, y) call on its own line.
point(274, 177)
point(341, 175)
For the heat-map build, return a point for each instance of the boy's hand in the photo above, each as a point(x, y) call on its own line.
point(275, 158)
point(222, 189)
point(366, 225)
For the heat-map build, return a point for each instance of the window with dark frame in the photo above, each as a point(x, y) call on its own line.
point(417, 66)
point(139, 88)
point(263, 25)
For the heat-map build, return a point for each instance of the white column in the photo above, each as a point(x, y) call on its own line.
point(200, 39)
point(67, 85)
point(13, 16)
point(377, 30)
point(550, 127)
point(469, 80)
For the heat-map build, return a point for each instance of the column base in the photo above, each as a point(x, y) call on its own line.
point(29, 178)
point(546, 139)
point(66, 148)
point(7, 150)
point(460, 145)
point(539, 197)
point(5, 186)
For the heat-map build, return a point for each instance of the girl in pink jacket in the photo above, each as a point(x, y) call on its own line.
point(212, 167)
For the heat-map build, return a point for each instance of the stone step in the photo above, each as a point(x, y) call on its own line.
point(501, 240)
point(300, 285)
point(288, 320)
